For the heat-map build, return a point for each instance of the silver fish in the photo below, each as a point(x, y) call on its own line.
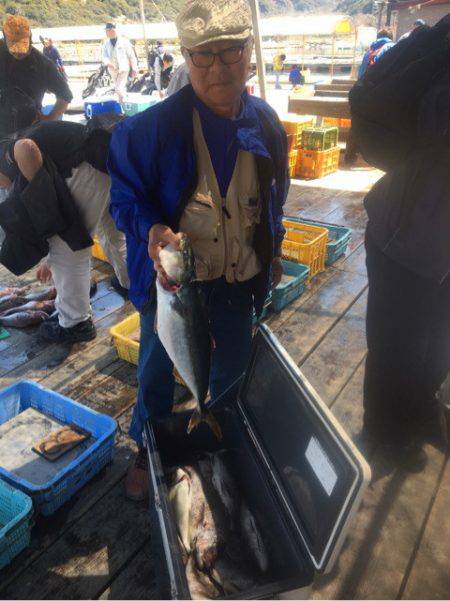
point(180, 496)
point(183, 328)
point(13, 290)
point(23, 319)
point(46, 306)
point(224, 483)
point(11, 300)
point(251, 534)
point(42, 295)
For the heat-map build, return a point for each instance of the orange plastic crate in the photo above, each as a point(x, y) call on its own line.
point(305, 243)
point(312, 164)
point(337, 122)
point(293, 126)
point(293, 158)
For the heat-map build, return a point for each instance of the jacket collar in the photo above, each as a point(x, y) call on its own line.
point(249, 132)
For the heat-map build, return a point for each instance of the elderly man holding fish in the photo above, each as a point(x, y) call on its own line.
point(204, 171)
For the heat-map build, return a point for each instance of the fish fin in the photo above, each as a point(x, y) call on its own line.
point(207, 417)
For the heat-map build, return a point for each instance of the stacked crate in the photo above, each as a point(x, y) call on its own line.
point(319, 152)
point(293, 126)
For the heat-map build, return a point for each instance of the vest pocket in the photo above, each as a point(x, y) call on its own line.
point(250, 210)
point(200, 218)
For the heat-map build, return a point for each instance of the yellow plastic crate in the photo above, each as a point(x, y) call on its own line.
point(336, 122)
point(127, 349)
point(307, 244)
point(293, 158)
point(313, 164)
point(98, 252)
point(294, 125)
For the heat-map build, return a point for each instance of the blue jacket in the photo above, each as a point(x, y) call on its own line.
point(53, 54)
point(153, 172)
point(382, 45)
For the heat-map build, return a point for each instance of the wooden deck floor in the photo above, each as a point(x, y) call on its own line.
point(97, 545)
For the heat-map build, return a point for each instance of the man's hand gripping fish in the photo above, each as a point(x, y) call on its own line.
point(183, 328)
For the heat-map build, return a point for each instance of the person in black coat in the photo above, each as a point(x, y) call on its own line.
point(407, 239)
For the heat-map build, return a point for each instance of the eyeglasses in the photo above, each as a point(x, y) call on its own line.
point(229, 56)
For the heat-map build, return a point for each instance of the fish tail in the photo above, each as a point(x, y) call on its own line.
point(198, 417)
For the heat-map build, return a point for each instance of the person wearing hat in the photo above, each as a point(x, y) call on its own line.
point(25, 76)
point(211, 162)
point(417, 23)
point(119, 56)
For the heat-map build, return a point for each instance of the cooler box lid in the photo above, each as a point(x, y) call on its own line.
point(317, 472)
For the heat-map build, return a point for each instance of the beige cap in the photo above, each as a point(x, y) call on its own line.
point(204, 21)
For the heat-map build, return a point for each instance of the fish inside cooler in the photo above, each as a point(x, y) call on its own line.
point(285, 568)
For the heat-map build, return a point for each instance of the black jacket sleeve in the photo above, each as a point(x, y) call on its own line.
point(55, 82)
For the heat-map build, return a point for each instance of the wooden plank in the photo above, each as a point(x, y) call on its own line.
point(334, 361)
point(331, 93)
point(54, 356)
point(348, 407)
point(355, 262)
point(137, 580)
point(81, 563)
point(382, 538)
point(333, 87)
point(342, 81)
point(307, 327)
point(49, 529)
point(429, 577)
point(275, 320)
point(27, 344)
point(323, 107)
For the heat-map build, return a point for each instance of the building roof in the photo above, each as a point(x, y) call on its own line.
point(421, 3)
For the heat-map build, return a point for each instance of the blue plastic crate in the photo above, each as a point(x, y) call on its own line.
point(96, 106)
point(338, 238)
point(265, 311)
point(16, 509)
point(285, 293)
point(48, 497)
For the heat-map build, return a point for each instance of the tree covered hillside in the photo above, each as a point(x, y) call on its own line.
point(54, 13)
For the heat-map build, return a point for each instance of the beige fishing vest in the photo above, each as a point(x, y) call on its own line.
point(221, 229)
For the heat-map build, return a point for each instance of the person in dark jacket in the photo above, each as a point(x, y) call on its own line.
point(207, 155)
point(25, 76)
point(408, 242)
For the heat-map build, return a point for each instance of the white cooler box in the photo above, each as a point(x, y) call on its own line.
point(299, 473)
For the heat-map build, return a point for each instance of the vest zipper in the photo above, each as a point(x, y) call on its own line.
point(224, 216)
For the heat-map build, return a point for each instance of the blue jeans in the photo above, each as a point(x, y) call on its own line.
point(230, 309)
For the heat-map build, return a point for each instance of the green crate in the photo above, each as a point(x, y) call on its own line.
point(133, 107)
point(319, 138)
